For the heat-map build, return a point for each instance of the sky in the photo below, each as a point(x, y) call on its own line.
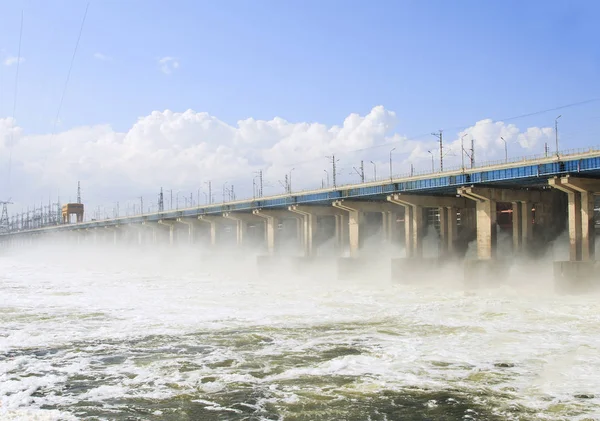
point(174, 94)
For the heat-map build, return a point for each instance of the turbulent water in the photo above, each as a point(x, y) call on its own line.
point(121, 335)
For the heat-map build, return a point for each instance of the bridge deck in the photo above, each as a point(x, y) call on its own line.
point(518, 174)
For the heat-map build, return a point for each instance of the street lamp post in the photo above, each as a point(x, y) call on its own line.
point(374, 170)
point(432, 165)
point(505, 149)
point(556, 132)
point(327, 172)
point(391, 163)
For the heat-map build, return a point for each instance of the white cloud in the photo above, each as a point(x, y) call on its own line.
point(9, 61)
point(168, 64)
point(102, 57)
point(183, 150)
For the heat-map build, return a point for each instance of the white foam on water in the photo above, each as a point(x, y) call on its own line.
point(519, 338)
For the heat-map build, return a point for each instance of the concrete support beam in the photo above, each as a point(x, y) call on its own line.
point(115, 233)
point(522, 222)
point(309, 220)
point(388, 231)
point(413, 219)
point(448, 229)
point(356, 212)
point(340, 231)
point(152, 226)
point(241, 223)
point(213, 220)
point(580, 194)
point(485, 208)
point(272, 218)
point(171, 226)
point(191, 224)
point(309, 228)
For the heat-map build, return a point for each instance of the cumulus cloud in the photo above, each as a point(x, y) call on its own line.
point(183, 150)
point(10, 60)
point(102, 57)
point(168, 64)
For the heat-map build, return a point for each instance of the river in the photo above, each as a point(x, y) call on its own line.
point(163, 335)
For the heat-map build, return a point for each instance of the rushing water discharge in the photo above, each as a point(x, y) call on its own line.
point(169, 335)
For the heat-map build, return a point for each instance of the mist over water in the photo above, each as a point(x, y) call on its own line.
point(116, 333)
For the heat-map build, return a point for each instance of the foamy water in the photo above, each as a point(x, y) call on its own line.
point(159, 335)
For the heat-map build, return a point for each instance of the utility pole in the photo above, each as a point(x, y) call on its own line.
point(141, 205)
point(391, 163)
point(360, 173)
point(78, 192)
point(333, 164)
point(472, 152)
point(161, 203)
point(286, 184)
point(556, 132)
point(439, 136)
point(462, 151)
point(232, 193)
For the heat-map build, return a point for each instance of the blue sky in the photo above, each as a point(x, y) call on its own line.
point(437, 64)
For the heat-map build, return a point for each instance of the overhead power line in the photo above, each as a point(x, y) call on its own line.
point(62, 97)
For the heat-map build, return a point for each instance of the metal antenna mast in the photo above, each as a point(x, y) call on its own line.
point(4, 222)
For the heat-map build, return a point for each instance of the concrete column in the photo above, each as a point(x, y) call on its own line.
point(526, 223)
point(580, 194)
point(309, 228)
point(588, 231)
point(310, 216)
point(272, 218)
point(485, 205)
point(452, 228)
point(485, 214)
point(271, 224)
point(413, 219)
point(241, 224)
point(444, 219)
point(517, 227)
point(213, 220)
point(408, 230)
point(388, 231)
point(340, 231)
point(355, 219)
point(486, 228)
point(171, 226)
point(355, 211)
point(114, 234)
point(191, 224)
point(522, 225)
